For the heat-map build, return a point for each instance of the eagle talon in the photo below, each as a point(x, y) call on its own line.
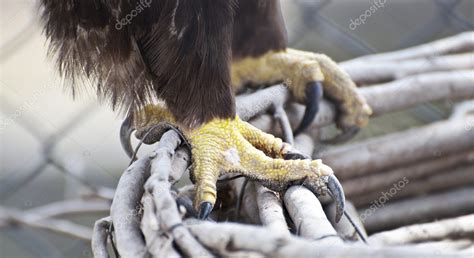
point(337, 194)
point(306, 74)
point(314, 95)
point(126, 130)
point(292, 155)
point(230, 145)
point(205, 210)
point(223, 146)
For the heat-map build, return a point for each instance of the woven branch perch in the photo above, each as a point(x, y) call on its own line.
point(458, 227)
point(378, 153)
point(152, 216)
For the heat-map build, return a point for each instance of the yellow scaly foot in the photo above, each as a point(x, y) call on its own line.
point(307, 75)
point(231, 145)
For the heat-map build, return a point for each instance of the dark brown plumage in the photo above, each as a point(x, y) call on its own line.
point(137, 51)
point(258, 28)
point(180, 51)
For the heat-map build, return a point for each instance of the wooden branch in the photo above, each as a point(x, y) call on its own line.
point(159, 187)
point(159, 244)
point(416, 89)
point(461, 43)
point(99, 238)
point(446, 179)
point(126, 207)
point(344, 227)
point(462, 109)
point(449, 228)
point(389, 151)
point(62, 208)
point(304, 144)
point(271, 210)
point(304, 208)
point(101, 192)
point(378, 72)
point(382, 216)
point(233, 236)
point(169, 232)
point(308, 215)
point(409, 91)
point(385, 179)
point(249, 207)
point(250, 105)
point(70, 207)
point(449, 244)
point(63, 227)
point(285, 125)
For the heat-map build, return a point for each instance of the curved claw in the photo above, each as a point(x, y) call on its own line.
point(337, 194)
point(345, 136)
point(126, 130)
point(204, 210)
point(314, 95)
point(292, 155)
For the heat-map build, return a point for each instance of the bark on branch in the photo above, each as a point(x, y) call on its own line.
point(455, 228)
point(434, 140)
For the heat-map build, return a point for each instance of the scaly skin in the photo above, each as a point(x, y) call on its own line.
point(224, 146)
point(298, 68)
point(231, 145)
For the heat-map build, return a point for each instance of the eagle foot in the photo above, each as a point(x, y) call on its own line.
point(307, 75)
point(225, 146)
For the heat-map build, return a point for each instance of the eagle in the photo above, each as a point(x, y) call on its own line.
point(181, 62)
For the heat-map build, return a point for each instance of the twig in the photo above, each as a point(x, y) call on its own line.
point(271, 210)
point(99, 238)
point(282, 118)
point(308, 215)
point(349, 224)
point(445, 179)
point(418, 209)
point(158, 186)
point(70, 207)
point(417, 89)
point(377, 72)
point(463, 42)
point(409, 91)
point(233, 236)
point(125, 209)
point(63, 227)
point(246, 203)
point(388, 151)
point(385, 179)
point(250, 105)
point(458, 227)
point(448, 244)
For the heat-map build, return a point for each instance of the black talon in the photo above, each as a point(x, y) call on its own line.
point(204, 210)
point(345, 136)
point(292, 155)
point(337, 194)
point(126, 130)
point(314, 95)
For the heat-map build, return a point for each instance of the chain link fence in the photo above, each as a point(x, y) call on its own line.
point(53, 149)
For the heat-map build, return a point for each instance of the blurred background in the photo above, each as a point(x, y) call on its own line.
point(54, 148)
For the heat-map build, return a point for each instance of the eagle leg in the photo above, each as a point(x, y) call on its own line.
point(305, 73)
point(224, 146)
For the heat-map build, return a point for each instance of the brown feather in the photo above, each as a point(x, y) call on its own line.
point(176, 50)
point(258, 28)
point(86, 44)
